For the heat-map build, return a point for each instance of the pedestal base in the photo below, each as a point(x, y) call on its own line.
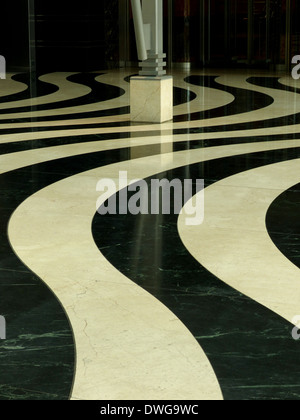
point(151, 99)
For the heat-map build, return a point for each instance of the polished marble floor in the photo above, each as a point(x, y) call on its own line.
point(147, 307)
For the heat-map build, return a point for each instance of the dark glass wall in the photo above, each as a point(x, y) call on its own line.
point(186, 34)
point(59, 35)
point(295, 28)
point(76, 35)
point(227, 33)
point(14, 41)
point(245, 32)
point(63, 35)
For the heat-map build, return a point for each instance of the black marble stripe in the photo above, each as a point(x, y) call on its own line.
point(283, 224)
point(249, 346)
point(35, 88)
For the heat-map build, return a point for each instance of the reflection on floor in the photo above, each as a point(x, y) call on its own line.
point(147, 307)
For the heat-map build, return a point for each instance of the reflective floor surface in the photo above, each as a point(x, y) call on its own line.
point(147, 306)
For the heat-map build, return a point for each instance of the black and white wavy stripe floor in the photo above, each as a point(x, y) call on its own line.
point(145, 307)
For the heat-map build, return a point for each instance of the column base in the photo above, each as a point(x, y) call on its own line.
point(151, 99)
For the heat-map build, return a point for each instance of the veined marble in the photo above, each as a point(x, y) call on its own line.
point(145, 307)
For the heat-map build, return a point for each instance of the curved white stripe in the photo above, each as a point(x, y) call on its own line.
point(233, 242)
point(123, 335)
point(289, 81)
point(89, 282)
point(9, 86)
point(207, 98)
point(67, 90)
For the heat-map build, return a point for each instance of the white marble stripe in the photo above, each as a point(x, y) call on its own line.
point(9, 86)
point(289, 81)
point(233, 242)
point(67, 90)
point(71, 122)
point(105, 307)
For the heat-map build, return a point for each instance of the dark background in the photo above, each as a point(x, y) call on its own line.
point(67, 35)
point(64, 35)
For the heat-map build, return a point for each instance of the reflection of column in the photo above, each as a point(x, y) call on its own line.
point(31, 36)
point(288, 41)
point(124, 38)
point(250, 31)
point(164, 148)
point(111, 10)
point(181, 50)
point(186, 30)
point(164, 152)
point(275, 24)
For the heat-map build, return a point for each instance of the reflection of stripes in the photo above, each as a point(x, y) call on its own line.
point(248, 346)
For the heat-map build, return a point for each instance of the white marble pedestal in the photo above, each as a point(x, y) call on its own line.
point(151, 99)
